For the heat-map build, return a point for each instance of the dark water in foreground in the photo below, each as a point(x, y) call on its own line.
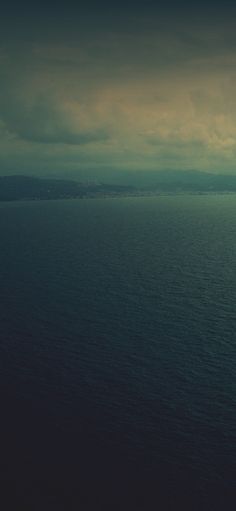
point(118, 353)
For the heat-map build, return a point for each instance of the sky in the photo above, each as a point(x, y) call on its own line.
point(100, 90)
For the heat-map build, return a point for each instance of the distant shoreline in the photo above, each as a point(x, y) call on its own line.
point(119, 196)
point(26, 188)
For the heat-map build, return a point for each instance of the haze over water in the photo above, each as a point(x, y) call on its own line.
point(117, 363)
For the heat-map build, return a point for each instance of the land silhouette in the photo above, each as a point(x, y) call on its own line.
point(22, 187)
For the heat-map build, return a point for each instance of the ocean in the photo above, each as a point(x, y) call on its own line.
point(118, 354)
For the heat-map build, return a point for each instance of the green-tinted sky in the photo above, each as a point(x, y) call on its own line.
point(101, 89)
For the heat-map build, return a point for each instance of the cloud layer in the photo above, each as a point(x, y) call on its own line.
point(153, 97)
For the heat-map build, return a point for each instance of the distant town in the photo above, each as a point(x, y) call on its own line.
point(20, 187)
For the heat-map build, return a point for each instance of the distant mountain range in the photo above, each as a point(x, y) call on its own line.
point(32, 188)
point(19, 187)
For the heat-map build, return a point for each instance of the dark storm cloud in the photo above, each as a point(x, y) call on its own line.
point(32, 112)
point(42, 123)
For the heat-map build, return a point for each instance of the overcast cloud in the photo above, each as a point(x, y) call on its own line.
point(146, 92)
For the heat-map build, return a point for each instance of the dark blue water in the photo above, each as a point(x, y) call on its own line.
point(118, 353)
